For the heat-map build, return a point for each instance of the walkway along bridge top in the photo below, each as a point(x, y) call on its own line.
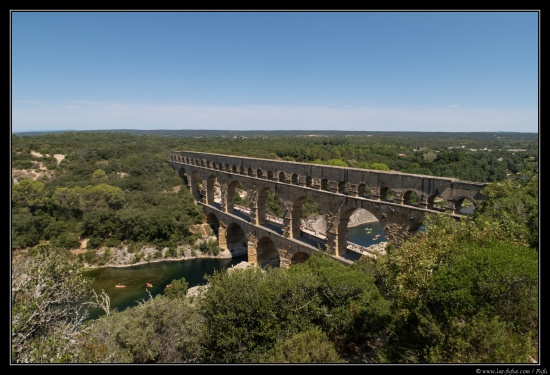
point(399, 200)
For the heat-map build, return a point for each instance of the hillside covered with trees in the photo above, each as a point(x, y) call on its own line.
point(462, 291)
point(113, 187)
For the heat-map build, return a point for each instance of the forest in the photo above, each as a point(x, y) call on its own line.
point(462, 291)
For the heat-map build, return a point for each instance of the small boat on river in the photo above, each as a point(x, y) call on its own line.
point(120, 286)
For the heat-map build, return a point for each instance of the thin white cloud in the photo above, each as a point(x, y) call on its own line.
point(90, 115)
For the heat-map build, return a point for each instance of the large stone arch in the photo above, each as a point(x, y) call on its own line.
point(219, 229)
point(459, 201)
point(236, 240)
point(433, 200)
point(267, 253)
point(214, 223)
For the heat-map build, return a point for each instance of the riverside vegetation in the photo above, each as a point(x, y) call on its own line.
point(462, 291)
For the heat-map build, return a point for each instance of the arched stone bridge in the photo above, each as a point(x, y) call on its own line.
point(398, 200)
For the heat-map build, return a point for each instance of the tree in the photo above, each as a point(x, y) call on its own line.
point(27, 229)
point(484, 300)
point(177, 289)
point(47, 309)
point(244, 322)
point(100, 197)
point(99, 175)
point(379, 167)
point(28, 193)
point(513, 204)
point(312, 346)
point(453, 277)
point(68, 201)
point(160, 330)
point(276, 304)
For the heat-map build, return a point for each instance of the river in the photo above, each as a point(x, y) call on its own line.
point(158, 274)
point(161, 274)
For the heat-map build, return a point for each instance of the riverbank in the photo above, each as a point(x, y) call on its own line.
point(121, 257)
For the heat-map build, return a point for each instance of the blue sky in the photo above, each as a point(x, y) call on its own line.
point(371, 71)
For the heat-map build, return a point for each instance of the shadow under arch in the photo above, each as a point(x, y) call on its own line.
point(299, 257)
point(267, 253)
point(236, 240)
point(214, 223)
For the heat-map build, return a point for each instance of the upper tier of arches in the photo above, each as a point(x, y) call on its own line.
point(428, 192)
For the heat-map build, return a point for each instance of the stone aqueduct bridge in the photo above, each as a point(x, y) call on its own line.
point(338, 191)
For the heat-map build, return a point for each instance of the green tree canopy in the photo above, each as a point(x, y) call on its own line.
point(514, 205)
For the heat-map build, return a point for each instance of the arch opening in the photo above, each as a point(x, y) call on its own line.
point(387, 194)
point(363, 233)
point(437, 203)
point(363, 190)
point(465, 205)
point(270, 210)
point(241, 199)
point(343, 187)
point(411, 198)
point(267, 253)
point(214, 223)
point(299, 257)
point(324, 184)
point(236, 240)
